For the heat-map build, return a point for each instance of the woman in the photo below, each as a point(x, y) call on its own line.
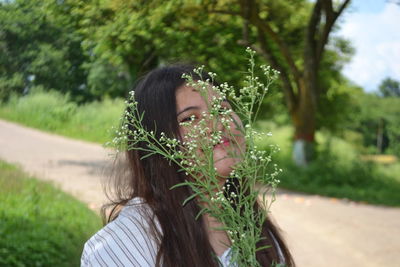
point(153, 228)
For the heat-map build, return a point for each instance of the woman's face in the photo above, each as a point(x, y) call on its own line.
point(193, 106)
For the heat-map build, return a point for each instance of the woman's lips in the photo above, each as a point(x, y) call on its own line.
point(224, 142)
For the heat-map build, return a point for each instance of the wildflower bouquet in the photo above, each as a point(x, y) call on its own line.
point(231, 202)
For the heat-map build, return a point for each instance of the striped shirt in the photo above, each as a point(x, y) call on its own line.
point(127, 241)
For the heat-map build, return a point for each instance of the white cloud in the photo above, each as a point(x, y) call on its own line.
point(376, 37)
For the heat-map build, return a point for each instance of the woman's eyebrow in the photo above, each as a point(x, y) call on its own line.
point(186, 109)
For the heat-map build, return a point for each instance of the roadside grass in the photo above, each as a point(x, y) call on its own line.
point(338, 171)
point(356, 180)
point(55, 113)
point(40, 225)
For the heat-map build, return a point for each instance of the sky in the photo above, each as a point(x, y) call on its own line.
point(373, 28)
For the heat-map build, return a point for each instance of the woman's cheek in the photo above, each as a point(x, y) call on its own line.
point(225, 166)
point(237, 130)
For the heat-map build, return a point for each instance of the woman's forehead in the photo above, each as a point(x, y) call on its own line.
point(188, 95)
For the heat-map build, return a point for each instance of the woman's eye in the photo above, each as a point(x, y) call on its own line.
point(190, 118)
point(223, 109)
point(186, 119)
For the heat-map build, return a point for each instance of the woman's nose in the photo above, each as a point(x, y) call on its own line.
point(215, 124)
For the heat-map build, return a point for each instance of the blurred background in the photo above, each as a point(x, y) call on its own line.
point(66, 66)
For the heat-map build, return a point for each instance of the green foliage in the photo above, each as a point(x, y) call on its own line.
point(336, 102)
point(39, 225)
point(55, 112)
point(374, 113)
point(96, 49)
point(94, 121)
point(39, 46)
point(338, 170)
point(46, 110)
point(136, 36)
point(389, 88)
point(211, 33)
point(106, 80)
point(333, 176)
point(15, 83)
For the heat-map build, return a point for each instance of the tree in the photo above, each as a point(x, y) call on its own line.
point(300, 79)
point(290, 35)
point(136, 36)
point(40, 45)
point(389, 88)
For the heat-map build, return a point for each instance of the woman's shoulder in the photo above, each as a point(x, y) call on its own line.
point(126, 241)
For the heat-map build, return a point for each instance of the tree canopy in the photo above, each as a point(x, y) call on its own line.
point(40, 45)
point(98, 48)
point(389, 88)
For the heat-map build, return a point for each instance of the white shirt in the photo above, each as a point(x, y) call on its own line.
point(127, 241)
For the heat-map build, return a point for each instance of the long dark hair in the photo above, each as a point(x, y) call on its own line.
point(184, 240)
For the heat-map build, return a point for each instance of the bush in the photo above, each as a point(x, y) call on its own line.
point(45, 110)
point(39, 225)
point(337, 171)
point(94, 121)
point(54, 112)
point(355, 180)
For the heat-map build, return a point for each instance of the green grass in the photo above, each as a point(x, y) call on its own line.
point(40, 225)
point(337, 171)
point(356, 180)
point(54, 112)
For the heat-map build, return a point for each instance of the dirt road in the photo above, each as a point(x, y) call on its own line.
point(320, 231)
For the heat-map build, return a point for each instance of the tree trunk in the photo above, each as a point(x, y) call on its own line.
point(303, 117)
point(379, 136)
